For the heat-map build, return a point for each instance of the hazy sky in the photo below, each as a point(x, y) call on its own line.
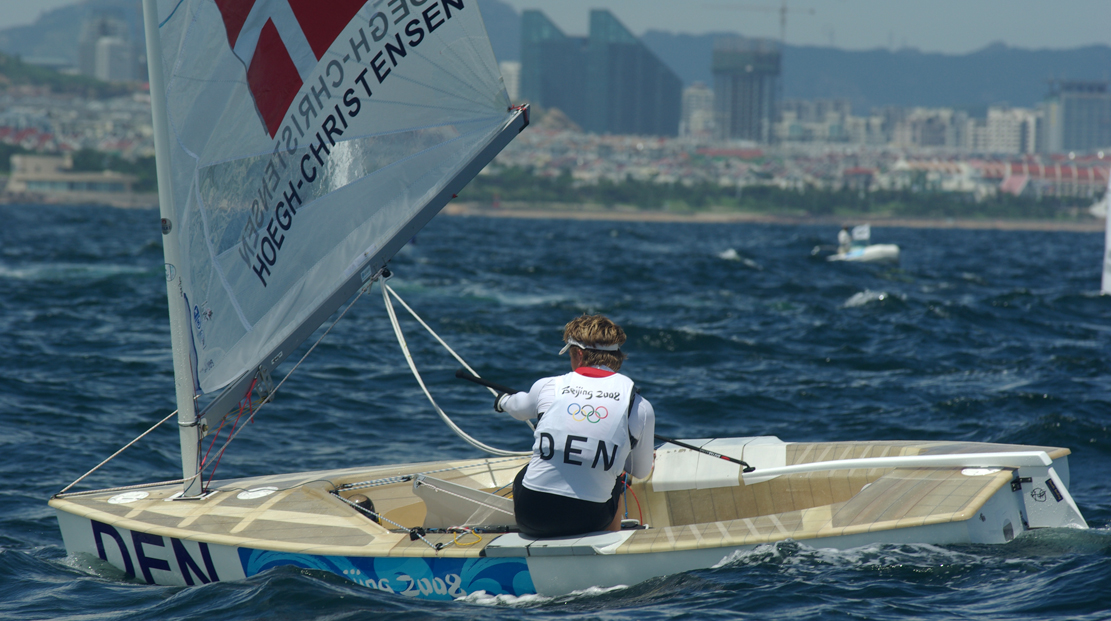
point(951, 26)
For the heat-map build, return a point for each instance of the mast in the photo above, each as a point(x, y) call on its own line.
point(179, 338)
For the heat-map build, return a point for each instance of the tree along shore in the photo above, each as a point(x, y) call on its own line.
point(518, 186)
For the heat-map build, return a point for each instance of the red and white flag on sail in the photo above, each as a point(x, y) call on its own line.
point(280, 42)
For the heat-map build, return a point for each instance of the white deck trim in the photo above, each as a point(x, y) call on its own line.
point(998, 460)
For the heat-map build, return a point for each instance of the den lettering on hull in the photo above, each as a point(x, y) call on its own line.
point(158, 559)
point(154, 559)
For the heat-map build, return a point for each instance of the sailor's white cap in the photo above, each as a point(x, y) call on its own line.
point(571, 342)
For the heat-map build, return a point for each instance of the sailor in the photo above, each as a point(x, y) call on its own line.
point(592, 425)
point(844, 240)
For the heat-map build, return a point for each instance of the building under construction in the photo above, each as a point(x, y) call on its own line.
point(746, 82)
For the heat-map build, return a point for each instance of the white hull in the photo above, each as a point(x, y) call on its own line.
point(698, 508)
point(875, 253)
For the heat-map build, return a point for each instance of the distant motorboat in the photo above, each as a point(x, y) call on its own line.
point(862, 251)
point(875, 253)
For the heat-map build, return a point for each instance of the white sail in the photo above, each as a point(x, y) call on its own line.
point(1105, 285)
point(862, 233)
point(303, 138)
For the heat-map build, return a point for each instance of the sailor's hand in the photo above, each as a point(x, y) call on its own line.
point(499, 402)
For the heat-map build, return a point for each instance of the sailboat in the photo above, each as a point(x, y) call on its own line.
point(299, 146)
point(1105, 282)
point(864, 251)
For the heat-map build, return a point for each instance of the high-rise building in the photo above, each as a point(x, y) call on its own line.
point(1010, 130)
point(118, 54)
point(629, 89)
point(821, 120)
point(746, 77)
point(931, 127)
point(975, 135)
point(608, 82)
point(817, 110)
point(114, 61)
point(697, 118)
point(1077, 117)
point(553, 73)
point(511, 75)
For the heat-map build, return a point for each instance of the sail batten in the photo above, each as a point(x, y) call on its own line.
point(302, 142)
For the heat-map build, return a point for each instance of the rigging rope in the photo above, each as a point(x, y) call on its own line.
point(233, 433)
point(113, 455)
point(435, 487)
point(409, 477)
point(386, 292)
point(434, 335)
point(270, 397)
point(414, 533)
point(438, 339)
point(123, 488)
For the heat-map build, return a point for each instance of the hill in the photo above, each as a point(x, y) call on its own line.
point(15, 72)
point(997, 74)
point(55, 34)
point(907, 77)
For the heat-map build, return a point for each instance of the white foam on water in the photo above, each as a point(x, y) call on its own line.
point(482, 598)
point(733, 255)
point(67, 271)
point(867, 297)
point(792, 554)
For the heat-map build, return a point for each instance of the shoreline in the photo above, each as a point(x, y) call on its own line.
point(1002, 224)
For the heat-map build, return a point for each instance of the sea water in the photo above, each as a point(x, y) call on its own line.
point(733, 330)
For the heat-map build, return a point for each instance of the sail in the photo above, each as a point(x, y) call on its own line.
point(862, 233)
point(304, 138)
point(1105, 285)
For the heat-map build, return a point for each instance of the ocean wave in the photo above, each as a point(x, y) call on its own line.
point(66, 272)
point(868, 296)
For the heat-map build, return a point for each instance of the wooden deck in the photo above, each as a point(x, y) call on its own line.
point(302, 515)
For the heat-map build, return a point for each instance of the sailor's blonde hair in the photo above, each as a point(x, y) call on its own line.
point(596, 330)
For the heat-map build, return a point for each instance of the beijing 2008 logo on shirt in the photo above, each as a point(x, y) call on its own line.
point(587, 412)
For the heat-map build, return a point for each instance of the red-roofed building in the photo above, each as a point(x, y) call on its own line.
point(1058, 179)
point(858, 178)
point(741, 154)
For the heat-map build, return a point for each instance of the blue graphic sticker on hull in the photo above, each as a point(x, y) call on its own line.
point(430, 578)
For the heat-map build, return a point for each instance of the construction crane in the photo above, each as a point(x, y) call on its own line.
point(782, 9)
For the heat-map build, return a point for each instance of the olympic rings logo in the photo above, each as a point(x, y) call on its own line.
point(588, 412)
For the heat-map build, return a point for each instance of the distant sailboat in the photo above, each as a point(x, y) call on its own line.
point(1105, 283)
point(299, 146)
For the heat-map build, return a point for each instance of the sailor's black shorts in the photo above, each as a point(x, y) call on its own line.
point(540, 514)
